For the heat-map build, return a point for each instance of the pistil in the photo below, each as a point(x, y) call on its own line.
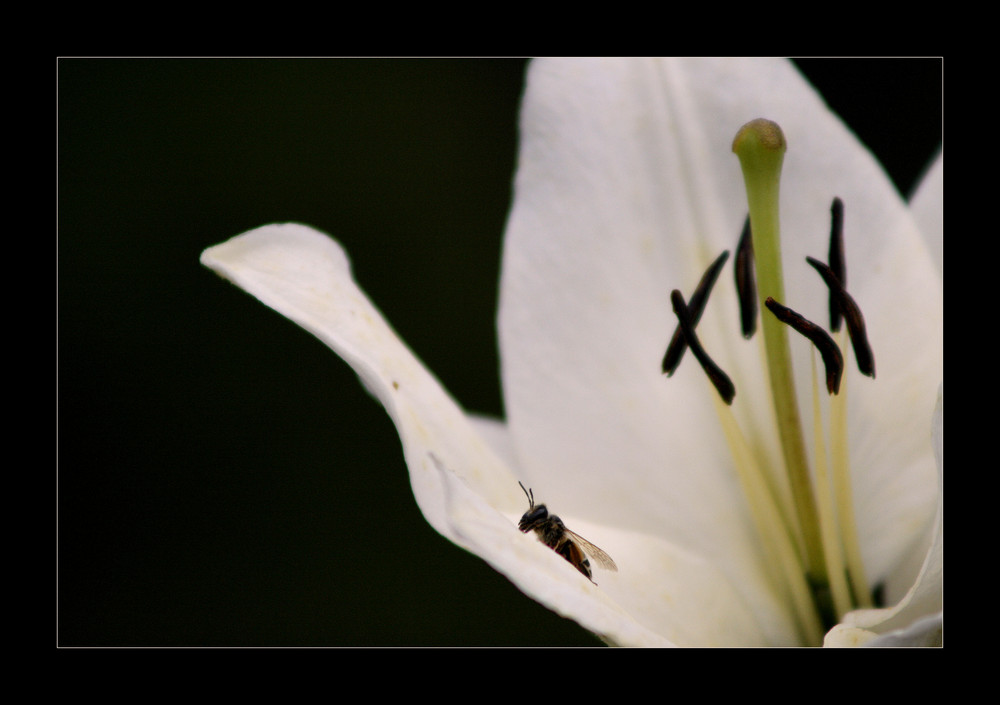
point(760, 146)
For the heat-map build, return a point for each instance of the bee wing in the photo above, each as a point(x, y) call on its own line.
point(602, 558)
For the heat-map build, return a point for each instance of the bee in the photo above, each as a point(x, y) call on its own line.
point(554, 534)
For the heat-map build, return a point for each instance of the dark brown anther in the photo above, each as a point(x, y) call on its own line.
point(746, 284)
point(852, 316)
point(833, 361)
point(720, 379)
point(675, 350)
point(836, 258)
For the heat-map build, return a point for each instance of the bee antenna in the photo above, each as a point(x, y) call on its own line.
point(529, 494)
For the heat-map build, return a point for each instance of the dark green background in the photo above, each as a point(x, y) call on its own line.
point(223, 478)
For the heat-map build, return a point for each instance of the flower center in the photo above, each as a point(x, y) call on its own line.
point(809, 531)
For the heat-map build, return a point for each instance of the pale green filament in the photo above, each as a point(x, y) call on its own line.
point(842, 491)
point(839, 589)
point(760, 146)
point(778, 541)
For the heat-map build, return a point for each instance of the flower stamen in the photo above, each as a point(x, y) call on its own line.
point(835, 258)
point(842, 305)
point(720, 379)
point(746, 285)
point(852, 316)
point(696, 306)
point(833, 360)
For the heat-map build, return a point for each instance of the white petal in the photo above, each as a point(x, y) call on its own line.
point(674, 595)
point(495, 432)
point(927, 204)
point(917, 618)
point(457, 479)
point(928, 631)
point(305, 275)
point(627, 188)
point(464, 489)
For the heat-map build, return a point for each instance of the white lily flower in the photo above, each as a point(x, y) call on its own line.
point(626, 189)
